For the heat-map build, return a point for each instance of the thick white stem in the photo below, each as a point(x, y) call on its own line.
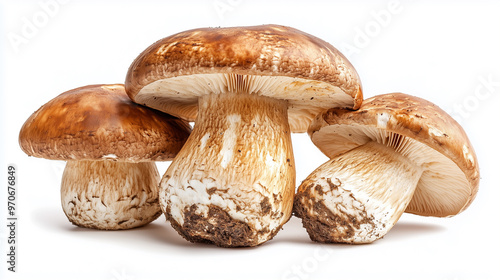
point(110, 195)
point(233, 181)
point(358, 196)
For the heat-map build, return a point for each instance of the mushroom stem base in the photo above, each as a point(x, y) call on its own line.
point(232, 183)
point(110, 195)
point(358, 196)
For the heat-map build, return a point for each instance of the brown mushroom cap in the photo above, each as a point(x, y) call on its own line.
point(438, 143)
point(268, 60)
point(101, 122)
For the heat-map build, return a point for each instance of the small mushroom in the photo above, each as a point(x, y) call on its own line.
point(247, 89)
point(110, 180)
point(397, 153)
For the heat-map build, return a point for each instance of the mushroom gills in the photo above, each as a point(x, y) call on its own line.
point(337, 139)
point(167, 94)
point(358, 196)
point(232, 183)
point(110, 195)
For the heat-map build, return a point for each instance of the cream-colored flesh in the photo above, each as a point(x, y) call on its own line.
point(443, 189)
point(110, 195)
point(361, 194)
point(238, 160)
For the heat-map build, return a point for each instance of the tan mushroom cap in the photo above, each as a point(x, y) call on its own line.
point(101, 122)
point(267, 60)
point(437, 142)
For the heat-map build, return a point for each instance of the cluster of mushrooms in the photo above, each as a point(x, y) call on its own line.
point(232, 177)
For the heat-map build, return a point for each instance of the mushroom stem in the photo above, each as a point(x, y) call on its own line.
point(358, 196)
point(110, 194)
point(233, 181)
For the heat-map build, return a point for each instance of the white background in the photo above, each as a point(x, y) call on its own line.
point(448, 53)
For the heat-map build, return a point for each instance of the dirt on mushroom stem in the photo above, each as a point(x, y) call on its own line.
point(358, 196)
point(232, 183)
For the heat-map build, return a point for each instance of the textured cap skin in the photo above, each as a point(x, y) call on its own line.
point(266, 50)
point(101, 122)
point(412, 117)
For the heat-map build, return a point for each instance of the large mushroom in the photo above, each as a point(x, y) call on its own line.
point(247, 89)
point(397, 153)
point(110, 145)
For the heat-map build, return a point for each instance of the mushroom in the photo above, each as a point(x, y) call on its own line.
point(397, 153)
point(247, 89)
point(110, 180)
